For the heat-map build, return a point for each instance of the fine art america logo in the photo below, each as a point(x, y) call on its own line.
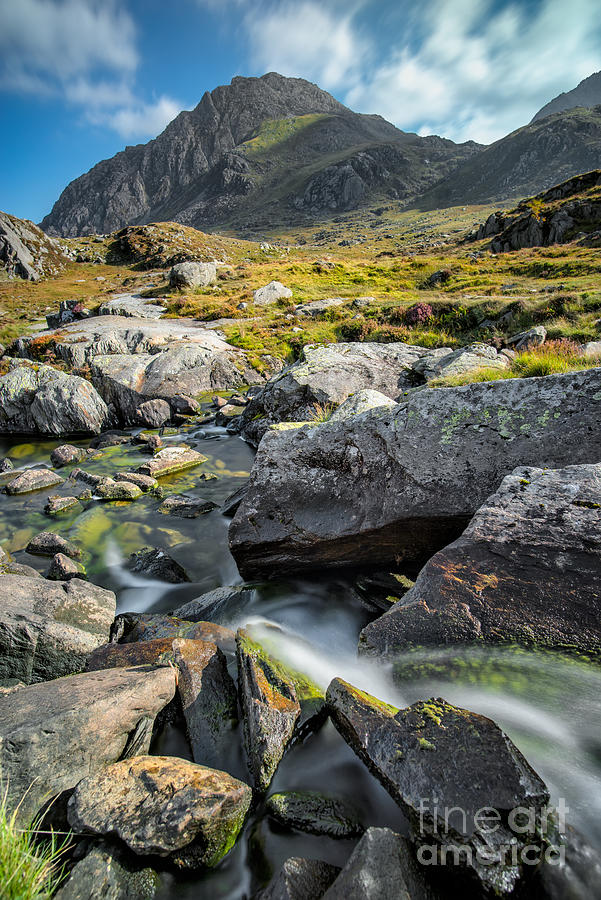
point(526, 836)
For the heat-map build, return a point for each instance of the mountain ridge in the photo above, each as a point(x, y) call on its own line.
point(586, 94)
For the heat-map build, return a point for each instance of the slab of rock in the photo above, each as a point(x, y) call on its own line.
point(55, 505)
point(6, 465)
point(193, 274)
point(144, 482)
point(54, 734)
point(153, 413)
point(459, 362)
point(63, 568)
point(90, 478)
point(433, 757)
point(186, 507)
point(163, 806)
point(133, 627)
point(155, 563)
point(48, 628)
point(33, 480)
point(526, 340)
point(132, 306)
point(526, 570)
point(47, 543)
point(318, 307)
point(26, 252)
point(170, 460)
point(300, 879)
point(8, 567)
point(216, 604)
point(359, 403)
point(43, 400)
point(401, 483)
point(108, 489)
point(270, 293)
point(66, 455)
point(105, 874)
point(315, 813)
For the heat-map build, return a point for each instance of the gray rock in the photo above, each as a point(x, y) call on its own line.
point(525, 340)
point(443, 766)
point(155, 563)
point(66, 455)
point(117, 490)
point(48, 628)
point(63, 568)
point(401, 483)
point(272, 292)
point(526, 570)
point(105, 874)
point(33, 480)
point(186, 507)
point(170, 460)
point(193, 274)
point(153, 413)
point(132, 306)
point(26, 252)
point(42, 400)
point(185, 405)
point(164, 806)
point(300, 879)
point(6, 465)
point(47, 543)
point(317, 307)
point(215, 605)
point(458, 362)
point(315, 813)
point(54, 734)
point(55, 505)
point(8, 567)
point(359, 403)
point(592, 349)
point(144, 482)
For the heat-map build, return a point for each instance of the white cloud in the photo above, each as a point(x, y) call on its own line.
point(84, 51)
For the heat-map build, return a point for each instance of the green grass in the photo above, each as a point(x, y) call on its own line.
point(275, 131)
point(31, 864)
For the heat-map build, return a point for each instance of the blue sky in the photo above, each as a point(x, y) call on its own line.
point(81, 79)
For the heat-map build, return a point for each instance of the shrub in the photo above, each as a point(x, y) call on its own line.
point(355, 330)
point(419, 314)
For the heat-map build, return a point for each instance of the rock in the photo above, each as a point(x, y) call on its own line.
point(154, 563)
point(526, 570)
point(300, 879)
point(359, 403)
point(105, 874)
point(110, 439)
point(360, 302)
point(186, 406)
point(66, 455)
point(134, 627)
point(47, 543)
point(439, 278)
point(573, 871)
point(63, 568)
point(55, 505)
point(401, 483)
point(132, 306)
point(324, 377)
point(380, 867)
point(318, 307)
point(458, 362)
point(193, 274)
point(444, 766)
point(163, 806)
point(150, 442)
point(170, 460)
point(315, 813)
point(33, 480)
point(48, 628)
point(272, 292)
point(42, 400)
point(153, 413)
point(526, 340)
point(117, 490)
point(87, 477)
point(68, 311)
point(158, 652)
point(54, 734)
point(186, 507)
point(144, 482)
point(8, 567)
point(232, 503)
point(592, 349)
point(6, 465)
point(216, 604)
point(26, 252)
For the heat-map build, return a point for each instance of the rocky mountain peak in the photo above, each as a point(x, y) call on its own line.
point(587, 94)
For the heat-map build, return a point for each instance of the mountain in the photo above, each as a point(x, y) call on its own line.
point(26, 252)
point(587, 94)
point(526, 162)
point(258, 152)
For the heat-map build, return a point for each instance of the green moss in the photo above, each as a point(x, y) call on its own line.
point(425, 744)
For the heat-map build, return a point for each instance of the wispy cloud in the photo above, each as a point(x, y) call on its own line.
point(84, 51)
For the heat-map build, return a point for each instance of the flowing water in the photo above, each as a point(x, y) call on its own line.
point(550, 705)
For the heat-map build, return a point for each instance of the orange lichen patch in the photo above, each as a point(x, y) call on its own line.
point(483, 581)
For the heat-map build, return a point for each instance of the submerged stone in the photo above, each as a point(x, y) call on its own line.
point(33, 480)
point(47, 543)
point(155, 563)
point(186, 507)
point(171, 459)
point(117, 490)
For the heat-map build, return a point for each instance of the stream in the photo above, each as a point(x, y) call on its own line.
point(550, 705)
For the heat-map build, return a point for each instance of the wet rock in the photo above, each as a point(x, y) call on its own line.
point(153, 413)
point(571, 871)
point(186, 507)
point(272, 292)
point(150, 442)
point(526, 340)
point(144, 482)
point(318, 307)
point(233, 502)
point(55, 504)
point(155, 563)
point(66, 455)
point(132, 306)
point(171, 459)
point(216, 604)
point(164, 806)
point(526, 570)
point(54, 734)
point(315, 813)
point(381, 866)
point(193, 274)
point(300, 879)
point(433, 757)
point(359, 403)
point(108, 489)
point(6, 465)
point(42, 400)
point(33, 480)
point(87, 477)
point(63, 568)
point(47, 543)
point(105, 874)
point(132, 627)
point(110, 439)
point(158, 652)
point(401, 483)
point(48, 628)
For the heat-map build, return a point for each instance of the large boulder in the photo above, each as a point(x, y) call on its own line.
point(47, 628)
point(271, 293)
point(26, 252)
point(401, 483)
point(193, 274)
point(527, 570)
point(132, 306)
point(54, 734)
point(163, 806)
point(43, 400)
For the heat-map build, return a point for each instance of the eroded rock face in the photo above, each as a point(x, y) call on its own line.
point(26, 252)
point(132, 306)
point(527, 570)
point(164, 806)
point(48, 628)
point(54, 734)
point(433, 757)
point(42, 400)
point(403, 482)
